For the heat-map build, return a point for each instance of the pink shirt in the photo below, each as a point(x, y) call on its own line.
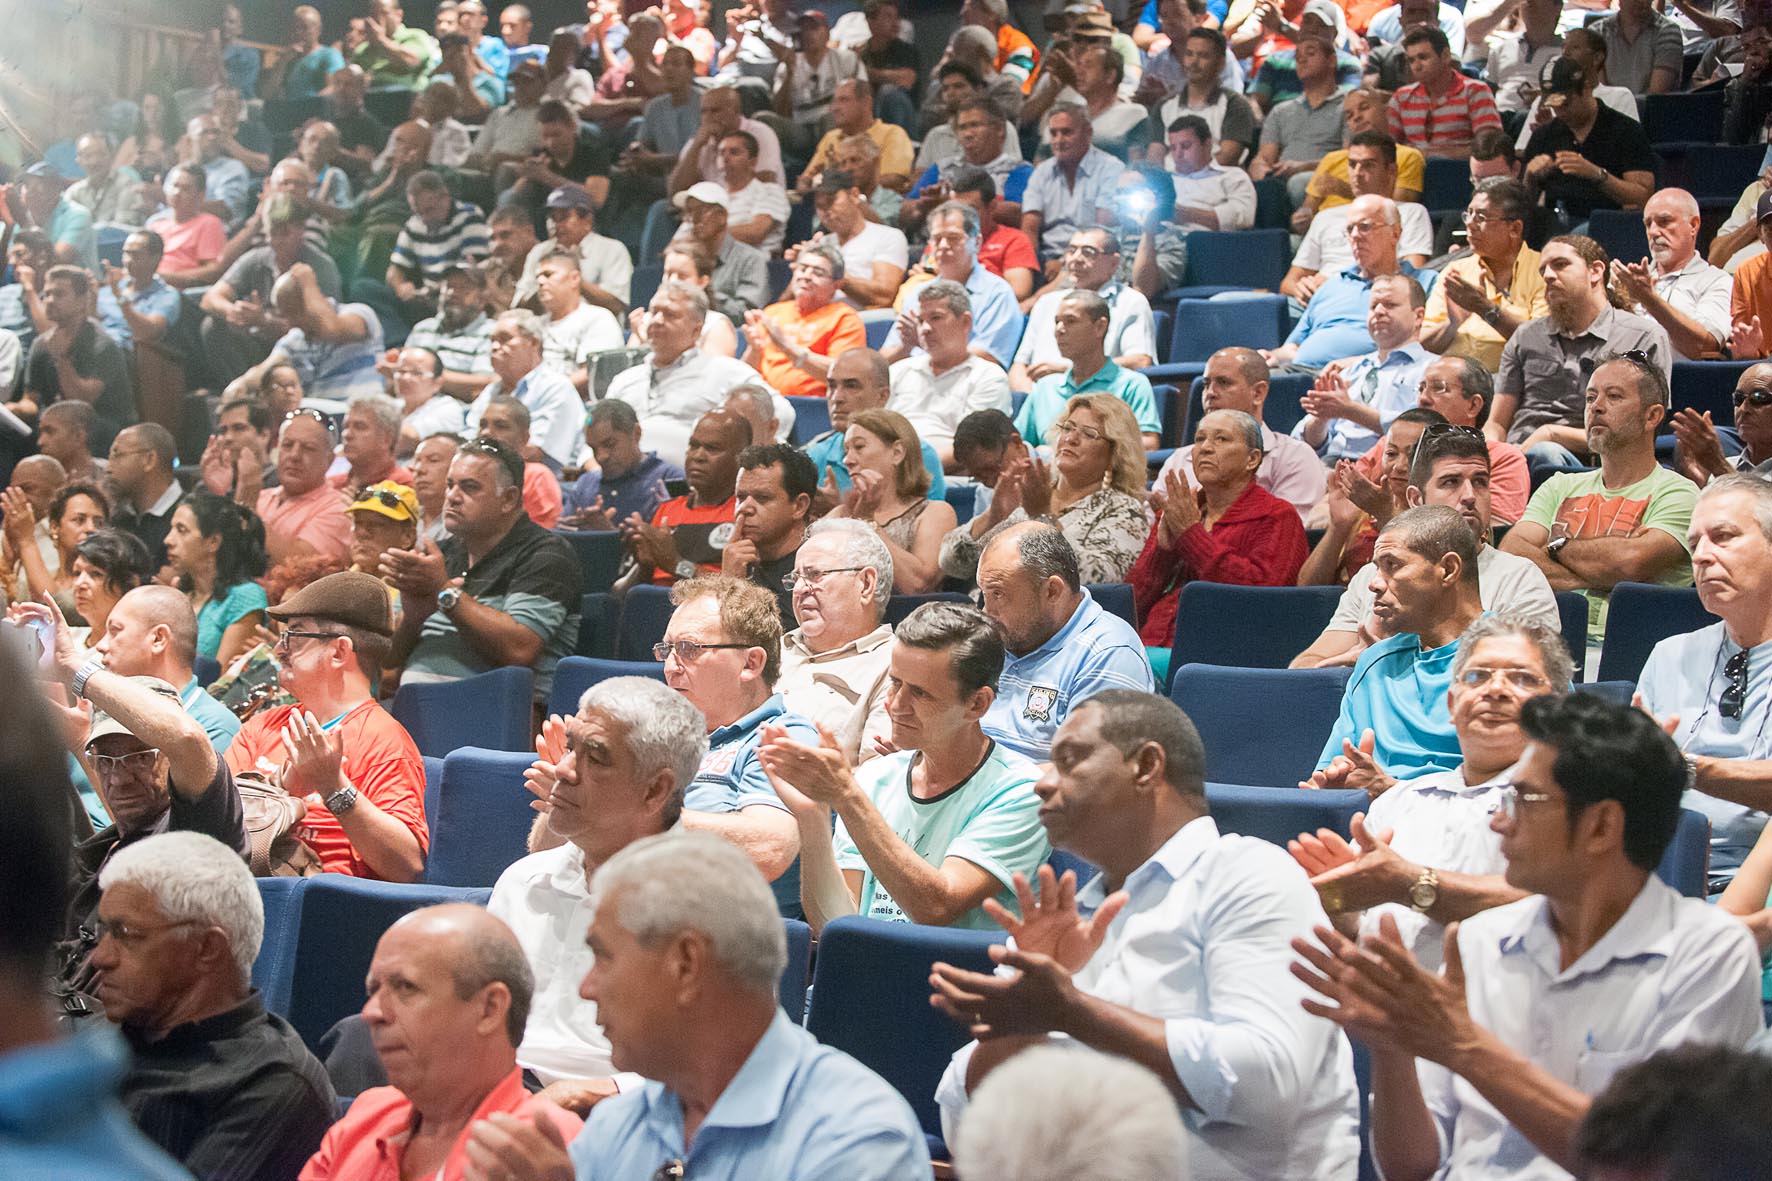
point(542, 499)
point(189, 244)
point(318, 518)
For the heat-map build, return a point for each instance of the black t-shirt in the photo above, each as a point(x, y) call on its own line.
point(361, 130)
point(147, 528)
point(95, 354)
point(1615, 142)
point(590, 157)
point(899, 55)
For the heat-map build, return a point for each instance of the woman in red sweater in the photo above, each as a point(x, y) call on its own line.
point(1232, 530)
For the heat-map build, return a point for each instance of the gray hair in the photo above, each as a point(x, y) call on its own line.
point(1553, 653)
point(761, 398)
point(614, 413)
point(490, 959)
point(196, 879)
point(968, 217)
point(1039, 1117)
point(1246, 423)
point(386, 411)
point(978, 40)
point(689, 295)
point(949, 292)
point(1075, 110)
point(1044, 551)
point(529, 323)
point(1435, 530)
point(1758, 489)
point(694, 881)
point(829, 253)
point(861, 547)
point(997, 8)
point(863, 144)
point(665, 732)
point(426, 181)
point(1477, 382)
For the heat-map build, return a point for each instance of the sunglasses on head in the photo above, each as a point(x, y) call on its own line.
point(309, 412)
point(382, 496)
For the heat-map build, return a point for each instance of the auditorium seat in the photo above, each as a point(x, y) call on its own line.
point(483, 817)
point(1116, 599)
point(1640, 616)
point(1572, 614)
point(575, 674)
point(273, 972)
point(812, 417)
point(797, 975)
point(491, 710)
point(1249, 626)
point(1278, 814)
point(599, 554)
point(902, 605)
point(1261, 727)
point(645, 613)
point(1686, 864)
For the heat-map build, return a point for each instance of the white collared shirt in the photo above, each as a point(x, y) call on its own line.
point(935, 404)
point(1204, 944)
point(1699, 291)
point(670, 399)
point(845, 688)
point(1671, 970)
point(1228, 192)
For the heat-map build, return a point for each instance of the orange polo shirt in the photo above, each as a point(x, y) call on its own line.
point(829, 331)
point(1753, 294)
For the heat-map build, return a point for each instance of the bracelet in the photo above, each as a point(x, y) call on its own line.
point(78, 685)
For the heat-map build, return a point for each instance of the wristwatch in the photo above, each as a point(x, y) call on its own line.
point(1556, 545)
point(685, 569)
point(1425, 892)
point(345, 798)
point(447, 598)
point(85, 674)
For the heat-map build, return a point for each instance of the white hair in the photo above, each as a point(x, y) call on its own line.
point(1056, 1112)
point(196, 879)
point(665, 732)
point(861, 547)
point(693, 881)
point(529, 323)
point(387, 412)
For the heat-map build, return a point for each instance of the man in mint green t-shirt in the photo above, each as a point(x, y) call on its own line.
point(928, 832)
point(1626, 522)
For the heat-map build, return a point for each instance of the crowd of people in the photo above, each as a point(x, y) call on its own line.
point(303, 404)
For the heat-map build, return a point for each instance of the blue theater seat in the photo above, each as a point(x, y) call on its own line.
point(492, 710)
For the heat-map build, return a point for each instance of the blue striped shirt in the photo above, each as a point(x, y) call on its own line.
point(425, 252)
point(340, 371)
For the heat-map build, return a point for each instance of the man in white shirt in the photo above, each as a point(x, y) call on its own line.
point(756, 209)
point(1484, 1071)
point(1354, 401)
point(556, 412)
point(417, 380)
point(1174, 956)
point(945, 382)
point(1091, 262)
point(611, 774)
point(1675, 286)
point(721, 115)
point(1070, 189)
point(1424, 853)
point(575, 329)
point(1236, 378)
point(1208, 195)
point(875, 256)
point(604, 266)
point(1325, 251)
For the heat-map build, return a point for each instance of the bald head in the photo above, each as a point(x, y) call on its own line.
point(147, 608)
point(1670, 222)
point(39, 477)
point(478, 949)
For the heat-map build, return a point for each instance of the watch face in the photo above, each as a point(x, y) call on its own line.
point(1422, 895)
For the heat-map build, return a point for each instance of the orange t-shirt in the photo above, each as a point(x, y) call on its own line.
point(542, 499)
point(380, 760)
point(833, 329)
point(1752, 295)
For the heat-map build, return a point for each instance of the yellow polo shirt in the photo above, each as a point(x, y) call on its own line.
point(1410, 167)
point(1475, 338)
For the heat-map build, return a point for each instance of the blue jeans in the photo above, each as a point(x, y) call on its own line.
point(1545, 460)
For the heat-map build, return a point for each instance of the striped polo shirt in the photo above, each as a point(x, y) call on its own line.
point(427, 251)
point(1418, 118)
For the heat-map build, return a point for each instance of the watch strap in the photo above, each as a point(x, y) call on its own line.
point(85, 674)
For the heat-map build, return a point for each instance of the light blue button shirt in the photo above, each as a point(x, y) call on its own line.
point(1390, 386)
point(1094, 650)
point(156, 299)
point(996, 317)
point(795, 1111)
point(1398, 691)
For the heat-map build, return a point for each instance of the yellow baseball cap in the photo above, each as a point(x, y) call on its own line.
point(392, 500)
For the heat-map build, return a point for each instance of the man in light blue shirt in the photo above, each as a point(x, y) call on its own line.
point(688, 956)
point(137, 297)
point(1071, 188)
point(1062, 647)
point(860, 380)
point(1355, 402)
point(1426, 593)
point(227, 185)
point(954, 236)
point(1080, 325)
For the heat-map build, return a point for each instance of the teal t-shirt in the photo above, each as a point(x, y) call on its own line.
point(216, 616)
point(991, 820)
point(1046, 402)
point(1398, 691)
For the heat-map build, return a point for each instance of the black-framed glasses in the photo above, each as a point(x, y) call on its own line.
point(1757, 396)
point(1735, 692)
point(812, 578)
point(1091, 252)
point(671, 1170)
point(290, 633)
point(687, 650)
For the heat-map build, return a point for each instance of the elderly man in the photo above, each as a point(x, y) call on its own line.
point(1091, 262)
point(1674, 286)
point(1707, 685)
point(874, 255)
point(677, 383)
point(983, 141)
point(1072, 188)
point(1209, 195)
point(1423, 855)
point(1700, 452)
point(216, 1081)
point(1425, 592)
point(721, 115)
point(717, 1033)
point(834, 664)
point(241, 326)
point(303, 515)
point(625, 481)
point(792, 343)
point(227, 185)
point(1061, 647)
point(1080, 326)
point(1353, 402)
point(604, 267)
point(1487, 1070)
point(945, 382)
point(555, 409)
point(927, 833)
point(332, 346)
point(500, 592)
point(741, 273)
point(860, 380)
point(1334, 323)
point(450, 992)
point(76, 359)
point(369, 442)
point(1268, 1091)
point(1441, 111)
point(1539, 396)
point(1326, 250)
point(1450, 467)
point(1588, 156)
point(955, 232)
point(460, 334)
point(773, 496)
point(110, 194)
point(686, 534)
point(152, 632)
point(1483, 297)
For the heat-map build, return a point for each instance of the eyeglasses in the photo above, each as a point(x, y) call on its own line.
point(1472, 218)
point(811, 578)
point(1439, 389)
point(128, 933)
point(1730, 703)
point(1759, 398)
point(1514, 678)
point(1090, 251)
point(1065, 429)
point(282, 644)
point(688, 650)
point(135, 763)
point(1362, 227)
point(1512, 797)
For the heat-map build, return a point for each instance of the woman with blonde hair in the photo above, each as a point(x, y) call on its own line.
point(890, 491)
point(1093, 491)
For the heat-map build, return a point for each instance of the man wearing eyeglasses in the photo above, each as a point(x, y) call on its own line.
point(1091, 263)
point(1484, 1071)
point(955, 230)
point(1354, 400)
point(1482, 298)
point(1701, 455)
point(792, 343)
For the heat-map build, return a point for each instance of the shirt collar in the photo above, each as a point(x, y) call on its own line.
point(880, 636)
point(769, 709)
point(1170, 862)
point(1644, 931)
point(1085, 614)
point(753, 1098)
point(508, 1095)
point(1601, 327)
point(1696, 265)
point(1105, 377)
point(173, 494)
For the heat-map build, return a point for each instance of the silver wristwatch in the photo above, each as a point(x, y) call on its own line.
point(447, 598)
point(85, 674)
point(342, 800)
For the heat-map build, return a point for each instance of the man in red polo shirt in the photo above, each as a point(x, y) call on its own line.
point(1441, 111)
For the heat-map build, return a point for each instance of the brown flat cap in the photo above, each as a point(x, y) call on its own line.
point(349, 597)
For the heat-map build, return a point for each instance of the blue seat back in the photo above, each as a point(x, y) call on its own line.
point(1686, 864)
point(492, 710)
point(342, 918)
point(644, 284)
point(645, 613)
point(797, 975)
point(1715, 172)
point(1234, 710)
point(483, 818)
point(1640, 616)
point(812, 417)
point(902, 605)
point(1446, 185)
point(963, 499)
point(1617, 692)
point(1679, 118)
point(1248, 626)
point(1621, 232)
point(870, 999)
point(1238, 258)
point(1061, 861)
point(433, 788)
point(1116, 599)
point(1203, 326)
point(1708, 385)
point(575, 674)
point(599, 614)
point(878, 325)
point(780, 271)
point(1278, 814)
point(1572, 615)
point(273, 972)
point(599, 555)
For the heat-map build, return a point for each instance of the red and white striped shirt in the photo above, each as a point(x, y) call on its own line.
point(1418, 118)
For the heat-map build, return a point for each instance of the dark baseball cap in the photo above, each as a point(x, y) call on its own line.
point(1763, 210)
point(1564, 77)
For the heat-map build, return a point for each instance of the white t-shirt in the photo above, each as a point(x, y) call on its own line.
point(1506, 582)
point(585, 330)
point(1132, 329)
point(935, 405)
point(760, 197)
point(1325, 245)
point(875, 243)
